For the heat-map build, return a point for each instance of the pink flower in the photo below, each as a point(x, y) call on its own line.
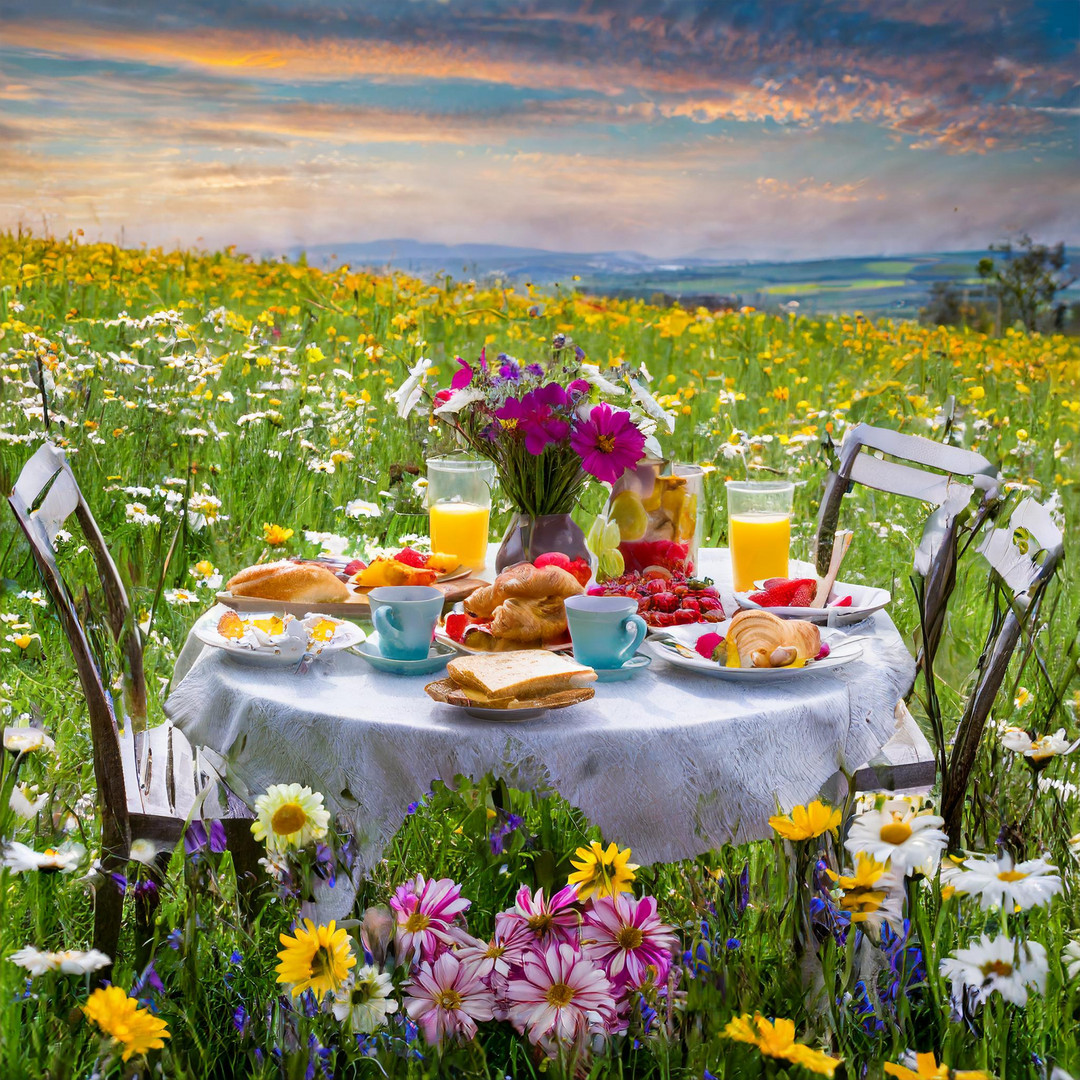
point(608, 443)
point(425, 912)
point(627, 939)
point(536, 416)
point(492, 964)
point(561, 995)
point(463, 376)
point(447, 998)
point(534, 922)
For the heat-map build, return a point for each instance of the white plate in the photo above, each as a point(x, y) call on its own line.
point(287, 649)
point(841, 652)
point(865, 600)
point(504, 716)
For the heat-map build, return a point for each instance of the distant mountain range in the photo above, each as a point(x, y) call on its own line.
point(873, 284)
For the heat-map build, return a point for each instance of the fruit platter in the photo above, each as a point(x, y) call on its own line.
point(793, 598)
point(666, 598)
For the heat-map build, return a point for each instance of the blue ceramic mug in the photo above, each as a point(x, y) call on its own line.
point(405, 618)
point(605, 630)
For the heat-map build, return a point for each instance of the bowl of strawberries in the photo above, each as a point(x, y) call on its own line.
point(666, 597)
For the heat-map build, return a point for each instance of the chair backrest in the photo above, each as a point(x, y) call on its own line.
point(45, 496)
point(916, 468)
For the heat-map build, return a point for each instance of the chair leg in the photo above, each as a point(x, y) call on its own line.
point(109, 898)
point(146, 905)
point(246, 852)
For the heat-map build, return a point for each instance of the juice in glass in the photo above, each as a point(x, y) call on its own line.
point(759, 530)
point(461, 529)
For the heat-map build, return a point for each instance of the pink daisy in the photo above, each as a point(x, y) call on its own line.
point(447, 998)
point(627, 939)
point(561, 996)
point(608, 442)
point(425, 912)
point(536, 922)
point(490, 958)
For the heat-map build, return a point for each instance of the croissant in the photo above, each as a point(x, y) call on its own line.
point(761, 639)
point(523, 581)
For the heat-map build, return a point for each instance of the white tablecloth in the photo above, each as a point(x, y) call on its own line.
point(671, 764)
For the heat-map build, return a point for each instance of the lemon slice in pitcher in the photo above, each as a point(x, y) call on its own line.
point(628, 512)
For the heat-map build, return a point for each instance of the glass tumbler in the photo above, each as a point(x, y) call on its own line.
point(459, 507)
point(759, 529)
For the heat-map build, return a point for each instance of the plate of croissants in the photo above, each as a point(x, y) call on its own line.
point(521, 609)
point(756, 646)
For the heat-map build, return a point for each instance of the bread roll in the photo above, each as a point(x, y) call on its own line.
point(301, 582)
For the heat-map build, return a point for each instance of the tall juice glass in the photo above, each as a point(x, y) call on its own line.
point(459, 507)
point(759, 530)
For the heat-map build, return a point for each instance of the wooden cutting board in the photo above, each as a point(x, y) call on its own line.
point(356, 607)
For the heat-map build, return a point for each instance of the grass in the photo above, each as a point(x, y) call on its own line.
point(264, 385)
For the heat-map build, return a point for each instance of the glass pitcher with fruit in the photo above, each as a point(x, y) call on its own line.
point(657, 508)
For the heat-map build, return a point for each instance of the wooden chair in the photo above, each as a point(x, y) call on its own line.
point(149, 781)
point(929, 471)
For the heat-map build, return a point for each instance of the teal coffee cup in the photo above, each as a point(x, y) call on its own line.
point(605, 630)
point(405, 618)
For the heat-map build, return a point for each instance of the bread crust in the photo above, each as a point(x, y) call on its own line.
point(448, 691)
point(285, 580)
point(529, 673)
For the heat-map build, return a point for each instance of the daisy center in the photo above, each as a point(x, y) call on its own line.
point(605, 444)
point(560, 995)
point(416, 922)
point(997, 967)
point(1011, 875)
point(541, 924)
point(362, 993)
point(629, 937)
point(494, 951)
point(447, 999)
point(896, 832)
point(288, 818)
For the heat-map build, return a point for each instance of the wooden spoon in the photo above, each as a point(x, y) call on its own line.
point(841, 543)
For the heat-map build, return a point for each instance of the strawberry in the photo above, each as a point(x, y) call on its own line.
point(684, 617)
point(786, 592)
point(598, 590)
point(456, 624)
point(665, 601)
point(553, 558)
point(690, 604)
point(355, 567)
point(661, 619)
point(656, 585)
point(581, 569)
point(411, 557)
point(846, 602)
point(711, 646)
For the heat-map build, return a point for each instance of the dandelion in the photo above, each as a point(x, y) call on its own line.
point(425, 911)
point(68, 962)
point(776, 1039)
point(602, 872)
point(317, 958)
point(870, 893)
point(206, 575)
point(628, 940)
point(289, 816)
point(1011, 968)
point(275, 535)
point(135, 1029)
point(927, 1068)
point(807, 822)
point(20, 858)
point(364, 1001)
point(1008, 885)
point(897, 833)
point(446, 998)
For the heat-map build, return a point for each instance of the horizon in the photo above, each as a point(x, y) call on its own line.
point(808, 131)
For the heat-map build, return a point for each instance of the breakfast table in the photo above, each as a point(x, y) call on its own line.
point(671, 764)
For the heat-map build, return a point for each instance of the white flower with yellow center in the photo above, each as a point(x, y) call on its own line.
point(27, 802)
point(26, 740)
point(68, 962)
point(1008, 885)
point(895, 832)
point(1009, 967)
point(364, 1000)
point(1040, 749)
point(289, 816)
point(20, 858)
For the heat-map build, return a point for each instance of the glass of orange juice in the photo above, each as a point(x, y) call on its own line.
point(459, 507)
point(759, 529)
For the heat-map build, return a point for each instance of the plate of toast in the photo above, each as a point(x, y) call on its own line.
point(513, 686)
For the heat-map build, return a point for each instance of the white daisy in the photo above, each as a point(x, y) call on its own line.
point(25, 740)
point(144, 851)
point(1008, 885)
point(1040, 749)
point(364, 1000)
point(912, 841)
point(1070, 960)
point(360, 508)
point(68, 962)
point(18, 857)
point(289, 816)
point(181, 596)
point(26, 801)
point(1009, 967)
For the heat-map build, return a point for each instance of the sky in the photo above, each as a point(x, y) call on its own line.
point(741, 130)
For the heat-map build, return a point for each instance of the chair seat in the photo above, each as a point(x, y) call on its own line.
point(906, 763)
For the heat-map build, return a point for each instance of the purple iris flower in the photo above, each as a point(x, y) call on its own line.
point(463, 376)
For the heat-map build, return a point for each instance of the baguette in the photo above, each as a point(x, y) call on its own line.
point(521, 674)
point(286, 580)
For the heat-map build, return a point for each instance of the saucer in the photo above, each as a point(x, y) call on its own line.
point(434, 661)
point(636, 663)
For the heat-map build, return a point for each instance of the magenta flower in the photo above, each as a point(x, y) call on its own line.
point(537, 922)
point(425, 912)
point(536, 418)
point(627, 939)
point(562, 996)
point(492, 963)
point(447, 998)
point(463, 376)
point(608, 442)
point(579, 386)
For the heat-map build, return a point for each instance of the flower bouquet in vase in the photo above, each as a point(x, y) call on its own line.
point(548, 431)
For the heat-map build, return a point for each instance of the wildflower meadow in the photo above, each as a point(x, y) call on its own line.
point(218, 410)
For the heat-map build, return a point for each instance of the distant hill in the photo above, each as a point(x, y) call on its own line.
point(873, 284)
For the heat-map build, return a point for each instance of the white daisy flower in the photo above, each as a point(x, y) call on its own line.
point(206, 575)
point(289, 816)
point(19, 858)
point(1009, 967)
point(360, 508)
point(181, 596)
point(68, 962)
point(26, 801)
point(364, 1000)
point(26, 740)
point(912, 841)
point(1070, 960)
point(139, 515)
point(144, 851)
point(1038, 750)
point(1008, 885)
